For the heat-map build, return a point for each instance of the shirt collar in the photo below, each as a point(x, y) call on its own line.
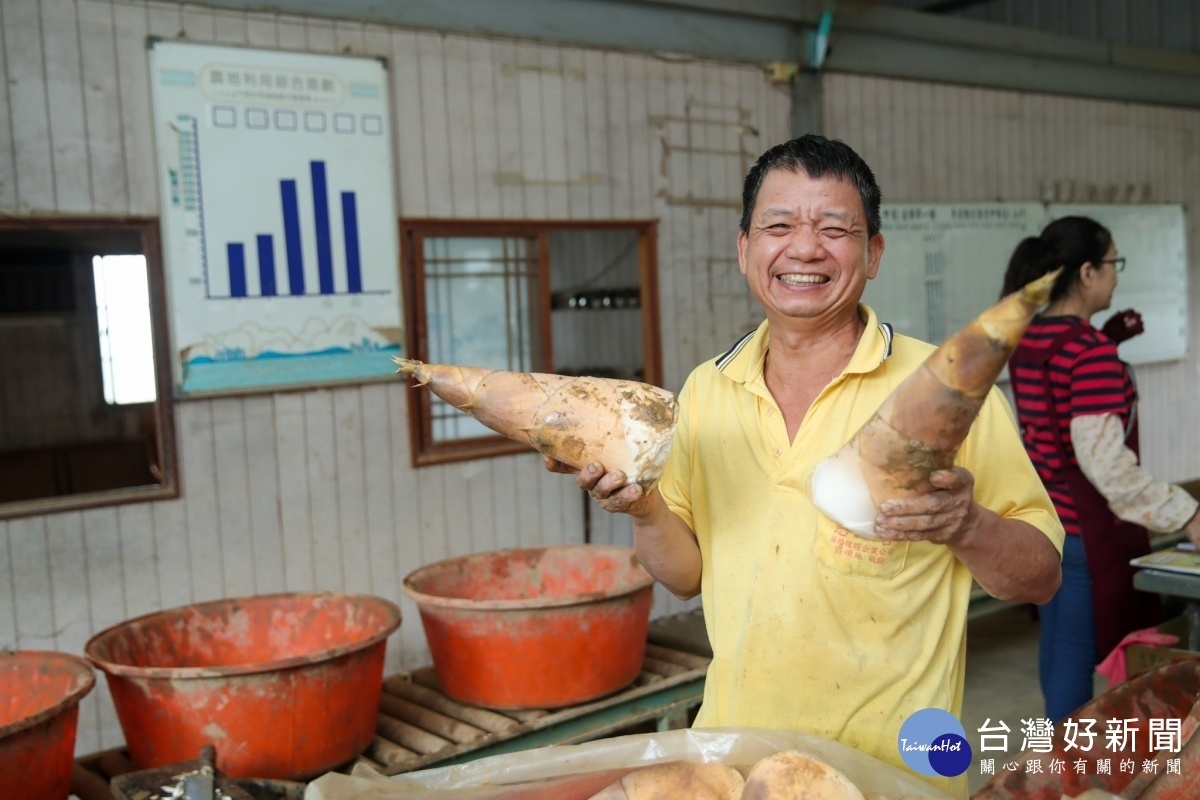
point(744, 361)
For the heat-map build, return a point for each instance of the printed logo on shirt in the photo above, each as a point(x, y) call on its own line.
point(849, 545)
point(933, 742)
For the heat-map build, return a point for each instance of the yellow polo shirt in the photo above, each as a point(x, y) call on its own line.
point(813, 628)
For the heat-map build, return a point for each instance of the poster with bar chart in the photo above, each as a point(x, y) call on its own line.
point(278, 215)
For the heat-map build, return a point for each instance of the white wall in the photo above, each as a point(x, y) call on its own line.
point(929, 143)
point(313, 489)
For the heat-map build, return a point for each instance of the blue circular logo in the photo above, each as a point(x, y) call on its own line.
point(933, 742)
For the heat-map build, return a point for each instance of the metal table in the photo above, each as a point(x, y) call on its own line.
point(1179, 585)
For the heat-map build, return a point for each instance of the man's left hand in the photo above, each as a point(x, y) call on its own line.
point(943, 515)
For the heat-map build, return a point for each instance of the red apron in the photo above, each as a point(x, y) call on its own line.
point(1108, 541)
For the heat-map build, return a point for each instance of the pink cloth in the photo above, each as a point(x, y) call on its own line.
point(1114, 666)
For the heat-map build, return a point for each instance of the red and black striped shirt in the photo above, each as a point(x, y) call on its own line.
point(1086, 377)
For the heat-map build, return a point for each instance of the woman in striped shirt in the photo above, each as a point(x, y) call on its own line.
point(1077, 406)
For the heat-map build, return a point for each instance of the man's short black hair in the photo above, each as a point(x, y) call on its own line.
point(818, 157)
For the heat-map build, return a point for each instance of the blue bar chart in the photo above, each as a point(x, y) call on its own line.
point(293, 249)
point(281, 248)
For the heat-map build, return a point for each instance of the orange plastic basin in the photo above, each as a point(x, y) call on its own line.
point(541, 627)
point(283, 686)
point(39, 711)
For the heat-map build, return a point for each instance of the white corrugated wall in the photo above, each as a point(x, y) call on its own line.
point(313, 489)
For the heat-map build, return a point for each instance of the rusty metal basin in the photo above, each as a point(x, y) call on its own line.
point(539, 627)
point(283, 685)
point(39, 715)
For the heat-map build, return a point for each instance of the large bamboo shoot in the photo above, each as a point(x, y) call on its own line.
point(792, 775)
point(624, 425)
point(676, 780)
point(919, 427)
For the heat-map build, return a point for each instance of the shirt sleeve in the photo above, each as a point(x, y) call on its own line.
point(677, 474)
point(1132, 493)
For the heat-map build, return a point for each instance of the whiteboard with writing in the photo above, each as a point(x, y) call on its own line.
point(943, 263)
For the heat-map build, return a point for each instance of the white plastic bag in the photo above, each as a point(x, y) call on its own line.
point(575, 772)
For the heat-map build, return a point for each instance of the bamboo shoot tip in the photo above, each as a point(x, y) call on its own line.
point(407, 366)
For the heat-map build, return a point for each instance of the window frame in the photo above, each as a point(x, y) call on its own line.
point(424, 450)
point(166, 445)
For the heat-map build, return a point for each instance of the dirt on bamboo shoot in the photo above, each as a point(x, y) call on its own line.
point(919, 427)
point(624, 425)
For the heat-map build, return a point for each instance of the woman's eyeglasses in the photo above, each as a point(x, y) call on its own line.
point(1118, 263)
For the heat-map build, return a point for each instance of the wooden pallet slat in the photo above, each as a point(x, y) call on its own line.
point(689, 660)
point(389, 753)
point(490, 721)
point(661, 667)
point(410, 735)
point(429, 720)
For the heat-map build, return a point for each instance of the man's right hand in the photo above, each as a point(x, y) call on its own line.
point(613, 491)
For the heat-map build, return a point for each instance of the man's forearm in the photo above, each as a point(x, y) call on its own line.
point(668, 549)
point(1010, 559)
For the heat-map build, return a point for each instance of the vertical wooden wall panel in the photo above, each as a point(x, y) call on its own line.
point(263, 533)
point(409, 536)
point(198, 471)
point(378, 498)
point(174, 575)
point(322, 490)
point(138, 560)
point(27, 106)
point(556, 84)
point(67, 563)
point(8, 163)
point(407, 115)
point(262, 30)
point(295, 511)
point(229, 27)
point(101, 102)
point(35, 620)
point(575, 135)
point(434, 126)
point(351, 530)
point(484, 147)
point(9, 638)
point(106, 598)
point(319, 35)
point(64, 96)
point(235, 548)
point(463, 174)
point(129, 23)
point(595, 158)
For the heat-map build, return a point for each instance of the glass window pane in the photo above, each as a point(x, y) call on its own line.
point(478, 313)
point(123, 322)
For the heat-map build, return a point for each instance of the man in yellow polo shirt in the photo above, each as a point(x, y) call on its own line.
point(812, 627)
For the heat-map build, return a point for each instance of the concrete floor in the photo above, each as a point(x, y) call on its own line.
point(1002, 682)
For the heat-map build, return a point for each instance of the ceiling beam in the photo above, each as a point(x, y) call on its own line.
point(880, 40)
point(705, 28)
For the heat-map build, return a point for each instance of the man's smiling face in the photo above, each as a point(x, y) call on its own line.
point(808, 253)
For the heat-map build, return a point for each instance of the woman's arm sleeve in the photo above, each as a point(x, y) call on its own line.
point(1133, 494)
